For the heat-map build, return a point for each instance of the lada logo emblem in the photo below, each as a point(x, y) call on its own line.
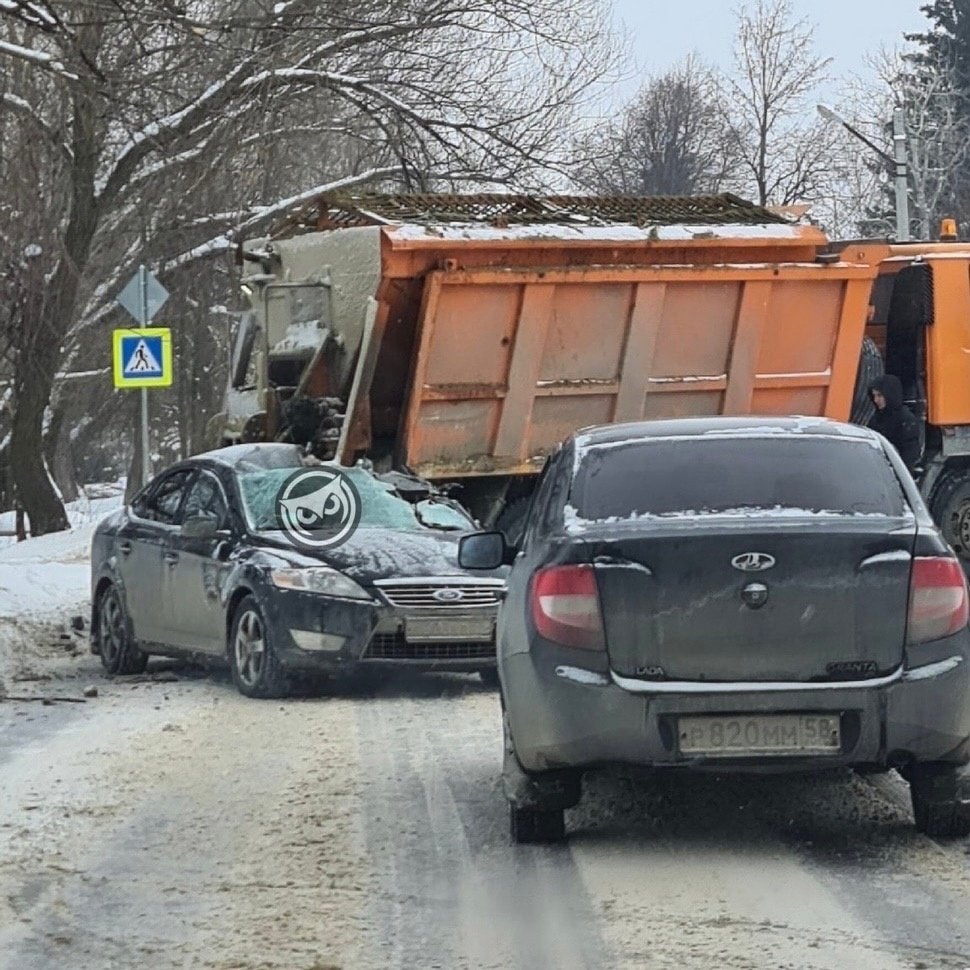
point(753, 562)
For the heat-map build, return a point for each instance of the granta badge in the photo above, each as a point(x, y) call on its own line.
point(753, 562)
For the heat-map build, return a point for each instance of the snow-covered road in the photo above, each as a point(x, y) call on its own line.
point(170, 823)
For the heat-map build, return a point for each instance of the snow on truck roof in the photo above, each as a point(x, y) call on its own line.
point(489, 216)
point(617, 233)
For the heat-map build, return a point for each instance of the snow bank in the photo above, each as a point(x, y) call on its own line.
point(91, 507)
point(44, 583)
point(45, 576)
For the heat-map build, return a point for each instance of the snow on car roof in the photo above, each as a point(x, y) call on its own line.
point(258, 455)
point(758, 426)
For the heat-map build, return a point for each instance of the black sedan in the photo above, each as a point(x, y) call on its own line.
point(200, 564)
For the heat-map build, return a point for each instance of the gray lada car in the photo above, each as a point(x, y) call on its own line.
point(733, 595)
point(198, 564)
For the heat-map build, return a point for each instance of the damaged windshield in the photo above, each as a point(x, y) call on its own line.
point(381, 508)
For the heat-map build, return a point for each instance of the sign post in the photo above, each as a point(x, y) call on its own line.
point(143, 357)
point(146, 468)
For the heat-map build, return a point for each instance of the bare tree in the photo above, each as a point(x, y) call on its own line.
point(137, 108)
point(784, 158)
point(670, 140)
point(860, 195)
point(938, 147)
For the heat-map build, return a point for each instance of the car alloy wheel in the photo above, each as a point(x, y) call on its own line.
point(118, 654)
point(250, 648)
point(255, 669)
point(111, 629)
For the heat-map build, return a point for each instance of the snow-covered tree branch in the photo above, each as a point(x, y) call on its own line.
point(768, 98)
point(146, 130)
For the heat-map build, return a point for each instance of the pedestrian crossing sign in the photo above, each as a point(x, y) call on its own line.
point(143, 357)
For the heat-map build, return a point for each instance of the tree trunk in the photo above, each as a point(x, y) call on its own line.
point(62, 468)
point(35, 489)
point(8, 491)
point(59, 454)
point(52, 312)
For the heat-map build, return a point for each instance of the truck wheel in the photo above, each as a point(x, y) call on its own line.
point(529, 825)
point(941, 802)
point(870, 367)
point(950, 507)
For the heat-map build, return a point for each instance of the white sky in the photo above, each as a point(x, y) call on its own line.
point(662, 32)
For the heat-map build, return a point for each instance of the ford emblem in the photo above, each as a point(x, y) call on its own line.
point(753, 562)
point(448, 595)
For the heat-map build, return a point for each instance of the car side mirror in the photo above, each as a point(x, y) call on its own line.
point(484, 550)
point(200, 527)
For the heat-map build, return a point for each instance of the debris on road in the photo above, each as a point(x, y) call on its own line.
point(160, 677)
point(42, 699)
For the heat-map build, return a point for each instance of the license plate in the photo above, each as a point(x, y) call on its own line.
point(736, 736)
point(420, 629)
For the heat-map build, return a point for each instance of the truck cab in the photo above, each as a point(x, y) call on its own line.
point(919, 319)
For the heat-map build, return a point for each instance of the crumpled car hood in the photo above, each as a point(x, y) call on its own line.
point(372, 554)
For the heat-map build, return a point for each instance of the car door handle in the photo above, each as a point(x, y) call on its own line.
point(124, 548)
point(171, 558)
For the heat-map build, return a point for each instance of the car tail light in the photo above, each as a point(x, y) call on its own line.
point(566, 606)
point(937, 599)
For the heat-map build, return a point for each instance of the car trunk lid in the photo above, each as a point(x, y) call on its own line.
point(780, 600)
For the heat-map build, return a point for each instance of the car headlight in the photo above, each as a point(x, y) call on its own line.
point(319, 579)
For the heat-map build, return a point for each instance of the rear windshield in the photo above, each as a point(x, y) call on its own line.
point(724, 475)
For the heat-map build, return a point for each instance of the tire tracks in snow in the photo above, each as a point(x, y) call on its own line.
point(453, 891)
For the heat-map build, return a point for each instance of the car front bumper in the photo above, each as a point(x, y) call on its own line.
point(322, 634)
point(563, 715)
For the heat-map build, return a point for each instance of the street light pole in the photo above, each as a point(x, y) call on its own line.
point(896, 162)
point(902, 176)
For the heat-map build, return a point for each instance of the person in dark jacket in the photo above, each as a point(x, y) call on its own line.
point(893, 420)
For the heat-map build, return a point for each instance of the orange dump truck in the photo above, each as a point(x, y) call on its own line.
point(463, 337)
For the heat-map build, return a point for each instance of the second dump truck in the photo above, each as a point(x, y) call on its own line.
point(463, 337)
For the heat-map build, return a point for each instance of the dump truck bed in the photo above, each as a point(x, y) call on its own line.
point(497, 327)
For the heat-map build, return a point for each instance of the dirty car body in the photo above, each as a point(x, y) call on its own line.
point(733, 595)
point(374, 600)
